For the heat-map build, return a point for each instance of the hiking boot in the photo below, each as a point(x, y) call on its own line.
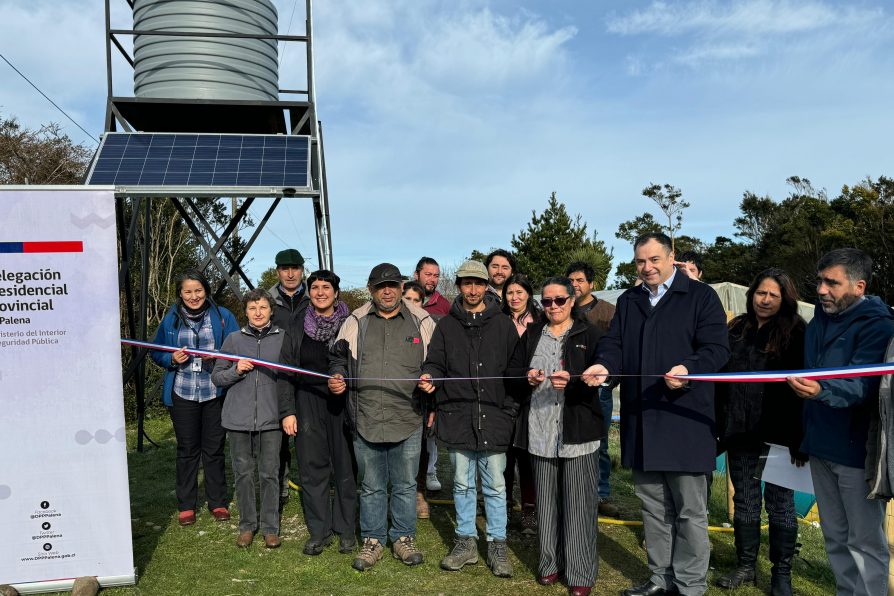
point(432, 483)
point(422, 511)
point(405, 550)
point(498, 558)
point(465, 552)
point(369, 554)
point(529, 522)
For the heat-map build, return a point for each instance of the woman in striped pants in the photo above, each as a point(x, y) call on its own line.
point(561, 427)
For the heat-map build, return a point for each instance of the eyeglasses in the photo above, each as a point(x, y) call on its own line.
point(558, 300)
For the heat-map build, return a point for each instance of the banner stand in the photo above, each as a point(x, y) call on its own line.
point(65, 585)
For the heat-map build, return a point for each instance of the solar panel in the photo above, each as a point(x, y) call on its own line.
point(201, 160)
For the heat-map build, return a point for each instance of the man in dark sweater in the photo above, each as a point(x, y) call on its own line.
point(289, 300)
point(849, 328)
point(599, 313)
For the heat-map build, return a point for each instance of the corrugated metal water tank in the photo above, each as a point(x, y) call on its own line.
point(202, 67)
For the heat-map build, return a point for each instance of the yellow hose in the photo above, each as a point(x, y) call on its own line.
point(602, 520)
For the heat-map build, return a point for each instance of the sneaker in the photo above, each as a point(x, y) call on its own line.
point(465, 552)
point(498, 558)
point(432, 483)
point(369, 554)
point(422, 511)
point(529, 522)
point(405, 550)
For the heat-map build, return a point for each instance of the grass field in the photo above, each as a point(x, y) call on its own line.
point(202, 559)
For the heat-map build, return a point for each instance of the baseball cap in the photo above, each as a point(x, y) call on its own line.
point(384, 273)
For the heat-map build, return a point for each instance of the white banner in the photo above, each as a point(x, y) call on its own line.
point(64, 501)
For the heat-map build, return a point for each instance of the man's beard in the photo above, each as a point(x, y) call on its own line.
point(834, 307)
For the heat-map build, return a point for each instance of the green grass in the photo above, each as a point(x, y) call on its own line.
point(203, 559)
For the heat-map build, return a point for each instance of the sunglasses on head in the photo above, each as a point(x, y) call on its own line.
point(558, 300)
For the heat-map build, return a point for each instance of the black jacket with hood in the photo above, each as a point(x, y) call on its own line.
point(474, 415)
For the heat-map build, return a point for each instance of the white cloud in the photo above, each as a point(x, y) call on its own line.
point(700, 33)
point(700, 54)
point(742, 17)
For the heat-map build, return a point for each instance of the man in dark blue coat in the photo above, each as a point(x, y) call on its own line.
point(849, 328)
point(667, 327)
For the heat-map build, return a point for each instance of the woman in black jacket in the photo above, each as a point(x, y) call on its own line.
point(518, 304)
point(769, 336)
point(317, 421)
point(561, 426)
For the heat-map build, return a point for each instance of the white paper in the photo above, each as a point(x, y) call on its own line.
point(780, 471)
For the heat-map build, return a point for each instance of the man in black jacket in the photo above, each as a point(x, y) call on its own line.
point(475, 417)
point(289, 300)
point(670, 326)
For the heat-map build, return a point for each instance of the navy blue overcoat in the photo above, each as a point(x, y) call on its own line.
point(665, 430)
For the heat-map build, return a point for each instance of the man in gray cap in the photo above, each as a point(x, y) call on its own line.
point(290, 300)
point(474, 340)
point(384, 341)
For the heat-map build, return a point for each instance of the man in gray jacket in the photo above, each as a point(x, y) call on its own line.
point(377, 358)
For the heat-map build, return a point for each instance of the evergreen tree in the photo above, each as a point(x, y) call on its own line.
point(550, 240)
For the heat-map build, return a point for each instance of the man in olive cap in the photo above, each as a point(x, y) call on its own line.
point(474, 340)
point(384, 339)
point(290, 300)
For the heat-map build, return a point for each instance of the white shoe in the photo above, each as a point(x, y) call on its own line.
point(432, 483)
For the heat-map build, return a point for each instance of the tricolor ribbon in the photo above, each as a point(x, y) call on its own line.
point(778, 376)
point(222, 356)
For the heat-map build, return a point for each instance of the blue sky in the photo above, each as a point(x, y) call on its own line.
point(447, 122)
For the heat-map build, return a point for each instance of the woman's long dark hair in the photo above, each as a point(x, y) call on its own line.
point(521, 279)
point(785, 321)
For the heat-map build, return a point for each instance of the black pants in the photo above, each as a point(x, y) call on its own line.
point(324, 452)
point(778, 501)
point(199, 435)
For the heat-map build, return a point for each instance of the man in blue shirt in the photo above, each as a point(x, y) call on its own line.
point(849, 328)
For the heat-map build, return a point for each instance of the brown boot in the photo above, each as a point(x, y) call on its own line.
point(422, 511)
point(272, 541)
point(245, 539)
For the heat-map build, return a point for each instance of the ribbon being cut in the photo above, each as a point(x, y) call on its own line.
point(817, 374)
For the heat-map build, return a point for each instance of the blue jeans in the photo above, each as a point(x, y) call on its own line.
point(379, 464)
point(605, 460)
point(466, 465)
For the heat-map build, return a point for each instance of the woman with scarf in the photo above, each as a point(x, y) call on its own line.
point(322, 440)
point(195, 321)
